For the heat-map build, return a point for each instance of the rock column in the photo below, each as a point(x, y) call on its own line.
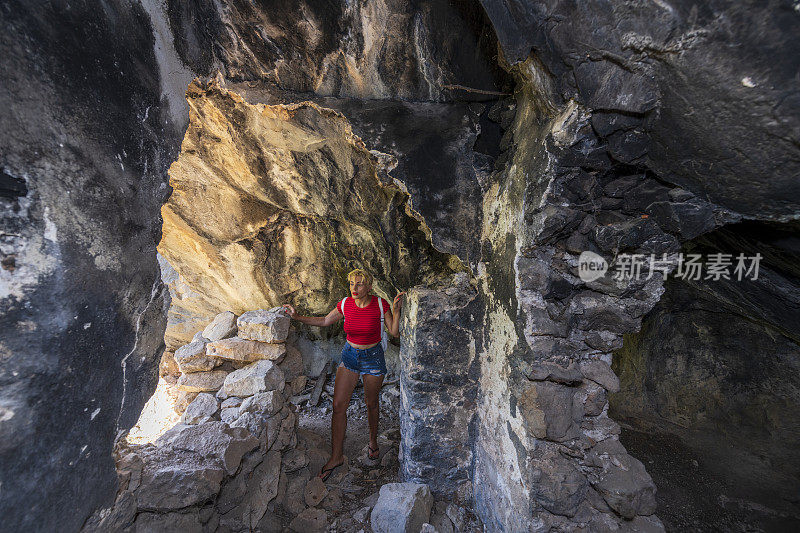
point(438, 386)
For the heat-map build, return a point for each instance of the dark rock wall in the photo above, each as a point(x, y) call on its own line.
point(89, 130)
point(716, 364)
point(703, 94)
point(602, 157)
point(362, 49)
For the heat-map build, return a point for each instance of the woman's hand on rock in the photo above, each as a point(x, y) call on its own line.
point(289, 310)
point(398, 302)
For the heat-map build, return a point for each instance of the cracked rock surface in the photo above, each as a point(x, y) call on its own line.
point(471, 147)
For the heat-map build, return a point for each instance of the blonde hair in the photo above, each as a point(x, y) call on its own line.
point(359, 272)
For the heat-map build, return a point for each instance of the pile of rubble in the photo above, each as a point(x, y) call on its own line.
point(234, 462)
point(236, 358)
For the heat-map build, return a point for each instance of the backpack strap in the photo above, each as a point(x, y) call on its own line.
point(384, 339)
point(342, 305)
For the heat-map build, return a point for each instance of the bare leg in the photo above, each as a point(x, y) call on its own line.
point(372, 387)
point(346, 381)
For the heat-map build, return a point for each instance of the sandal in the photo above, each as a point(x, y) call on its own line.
point(326, 472)
point(377, 450)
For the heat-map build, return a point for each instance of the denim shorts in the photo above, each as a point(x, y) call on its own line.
point(370, 361)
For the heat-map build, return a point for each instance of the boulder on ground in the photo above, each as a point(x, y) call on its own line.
point(264, 325)
point(202, 381)
point(401, 508)
point(332, 501)
point(315, 491)
point(192, 358)
point(214, 440)
point(174, 479)
point(246, 351)
point(201, 410)
point(222, 327)
point(261, 376)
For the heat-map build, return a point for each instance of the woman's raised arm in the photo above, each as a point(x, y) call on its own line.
point(331, 318)
point(392, 317)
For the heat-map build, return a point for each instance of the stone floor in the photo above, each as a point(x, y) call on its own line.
point(361, 482)
point(691, 498)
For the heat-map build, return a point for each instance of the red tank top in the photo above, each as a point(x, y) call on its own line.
point(363, 324)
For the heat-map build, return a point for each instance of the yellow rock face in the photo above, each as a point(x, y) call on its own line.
point(275, 204)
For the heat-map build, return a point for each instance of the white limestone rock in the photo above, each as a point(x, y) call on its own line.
point(201, 410)
point(261, 376)
point(247, 351)
point(253, 423)
point(264, 325)
point(222, 327)
point(229, 415)
point(215, 440)
point(401, 508)
point(179, 483)
point(202, 381)
point(192, 358)
point(233, 401)
point(265, 404)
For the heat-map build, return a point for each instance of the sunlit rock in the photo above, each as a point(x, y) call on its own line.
point(264, 325)
point(222, 327)
point(261, 376)
point(244, 350)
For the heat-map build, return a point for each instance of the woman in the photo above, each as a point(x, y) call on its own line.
point(362, 356)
